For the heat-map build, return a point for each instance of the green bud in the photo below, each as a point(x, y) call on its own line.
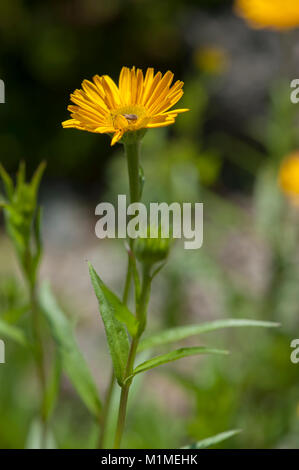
point(152, 250)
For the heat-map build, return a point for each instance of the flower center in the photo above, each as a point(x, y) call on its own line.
point(129, 117)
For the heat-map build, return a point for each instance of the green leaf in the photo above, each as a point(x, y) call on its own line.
point(73, 362)
point(7, 181)
point(182, 332)
point(13, 333)
point(38, 240)
point(174, 356)
point(52, 389)
point(121, 311)
point(211, 441)
point(117, 337)
point(37, 176)
point(13, 315)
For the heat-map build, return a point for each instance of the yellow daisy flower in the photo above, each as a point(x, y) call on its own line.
point(275, 14)
point(289, 177)
point(138, 102)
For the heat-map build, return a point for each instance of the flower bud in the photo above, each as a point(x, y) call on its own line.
point(152, 250)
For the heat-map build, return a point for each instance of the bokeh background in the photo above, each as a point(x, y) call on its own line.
point(225, 152)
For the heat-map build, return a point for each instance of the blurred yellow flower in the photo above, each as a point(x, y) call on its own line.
point(211, 59)
point(274, 14)
point(138, 102)
point(289, 177)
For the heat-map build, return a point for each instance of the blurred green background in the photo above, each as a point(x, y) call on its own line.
point(225, 153)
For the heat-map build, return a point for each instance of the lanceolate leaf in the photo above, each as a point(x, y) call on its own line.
point(7, 182)
point(36, 179)
point(73, 363)
point(21, 175)
point(174, 356)
point(52, 388)
point(121, 311)
point(13, 333)
point(211, 441)
point(182, 332)
point(117, 337)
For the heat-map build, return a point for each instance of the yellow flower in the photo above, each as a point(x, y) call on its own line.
point(274, 14)
point(138, 102)
point(289, 177)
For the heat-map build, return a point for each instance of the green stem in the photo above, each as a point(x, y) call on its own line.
point(107, 402)
point(144, 298)
point(39, 357)
point(124, 395)
point(141, 316)
point(132, 155)
point(106, 408)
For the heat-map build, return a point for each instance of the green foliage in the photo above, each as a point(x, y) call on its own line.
point(12, 332)
point(13, 306)
point(117, 337)
point(183, 332)
point(73, 363)
point(121, 311)
point(35, 438)
point(256, 389)
point(157, 434)
point(21, 215)
point(174, 356)
point(211, 441)
point(53, 387)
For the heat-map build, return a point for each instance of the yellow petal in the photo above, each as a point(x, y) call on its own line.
point(117, 136)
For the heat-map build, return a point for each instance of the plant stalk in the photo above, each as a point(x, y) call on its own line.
point(104, 418)
point(124, 395)
point(132, 156)
point(39, 358)
point(141, 316)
